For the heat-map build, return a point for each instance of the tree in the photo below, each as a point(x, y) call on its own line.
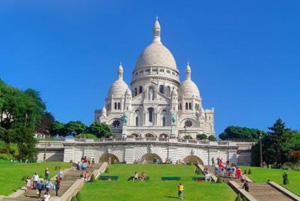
point(201, 137)
point(278, 145)
point(236, 133)
point(58, 128)
point(75, 126)
point(212, 138)
point(47, 123)
point(100, 130)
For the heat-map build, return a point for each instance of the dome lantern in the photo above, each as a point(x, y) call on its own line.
point(156, 32)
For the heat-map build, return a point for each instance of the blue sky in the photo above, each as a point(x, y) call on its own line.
point(245, 55)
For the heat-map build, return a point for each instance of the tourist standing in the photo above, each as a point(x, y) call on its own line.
point(40, 187)
point(246, 186)
point(285, 178)
point(47, 172)
point(48, 186)
point(213, 161)
point(28, 184)
point(57, 185)
point(180, 191)
point(35, 179)
point(60, 174)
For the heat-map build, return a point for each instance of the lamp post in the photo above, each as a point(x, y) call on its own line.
point(47, 132)
point(260, 149)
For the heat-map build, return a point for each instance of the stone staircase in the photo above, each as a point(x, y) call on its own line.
point(68, 180)
point(259, 191)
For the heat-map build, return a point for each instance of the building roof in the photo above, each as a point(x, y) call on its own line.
point(156, 54)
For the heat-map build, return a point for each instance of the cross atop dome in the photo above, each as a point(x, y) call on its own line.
point(120, 71)
point(156, 32)
point(188, 71)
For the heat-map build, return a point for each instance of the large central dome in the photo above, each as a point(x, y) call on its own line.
point(156, 54)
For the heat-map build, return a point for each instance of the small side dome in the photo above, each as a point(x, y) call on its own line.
point(188, 88)
point(119, 87)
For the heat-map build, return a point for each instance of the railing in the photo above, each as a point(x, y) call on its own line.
point(153, 139)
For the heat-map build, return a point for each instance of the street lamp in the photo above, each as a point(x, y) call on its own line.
point(260, 149)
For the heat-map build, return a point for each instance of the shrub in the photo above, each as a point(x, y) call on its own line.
point(219, 180)
point(74, 198)
point(24, 178)
point(92, 178)
point(79, 196)
point(87, 136)
point(238, 198)
point(249, 171)
point(245, 172)
point(198, 171)
point(106, 170)
point(289, 165)
point(5, 156)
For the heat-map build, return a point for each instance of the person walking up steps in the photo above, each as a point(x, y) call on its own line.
point(180, 191)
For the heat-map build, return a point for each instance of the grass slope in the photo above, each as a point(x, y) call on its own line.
point(11, 174)
point(155, 189)
point(262, 175)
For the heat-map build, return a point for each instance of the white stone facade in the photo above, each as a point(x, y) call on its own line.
point(156, 104)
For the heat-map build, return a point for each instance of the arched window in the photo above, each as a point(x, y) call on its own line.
point(161, 89)
point(190, 106)
point(135, 92)
point(141, 89)
point(150, 111)
point(137, 117)
point(116, 106)
point(169, 90)
point(186, 106)
point(164, 121)
point(119, 106)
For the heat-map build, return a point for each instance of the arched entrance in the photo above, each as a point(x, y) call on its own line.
point(149, 135)
point(110, 158)
point(192, 160)
point(135, 135)
point(163, 135)
point(151, 158)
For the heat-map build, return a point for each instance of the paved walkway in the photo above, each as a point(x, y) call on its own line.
point(69, 178)
point(260, 191)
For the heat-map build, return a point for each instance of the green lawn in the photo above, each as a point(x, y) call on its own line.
point(11, 174)
point(155, 189)
point(262, 175)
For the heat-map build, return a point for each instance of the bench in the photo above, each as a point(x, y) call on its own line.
point(109, 178)
point(170, 178)
point(198, 178)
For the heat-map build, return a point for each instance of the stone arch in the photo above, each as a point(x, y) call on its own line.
point(193, 160)
point(151, 158)
point(163, 135)
point(110, 158)
point(150, 135)
point(135, 135)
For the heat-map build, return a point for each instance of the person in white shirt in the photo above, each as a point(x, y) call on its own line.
point(47, 197)
point(35, 179)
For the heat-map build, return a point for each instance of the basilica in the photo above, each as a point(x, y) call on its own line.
point(156, 104)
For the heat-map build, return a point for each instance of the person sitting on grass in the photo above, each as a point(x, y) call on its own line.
point(134, 177)
point(143, 176)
